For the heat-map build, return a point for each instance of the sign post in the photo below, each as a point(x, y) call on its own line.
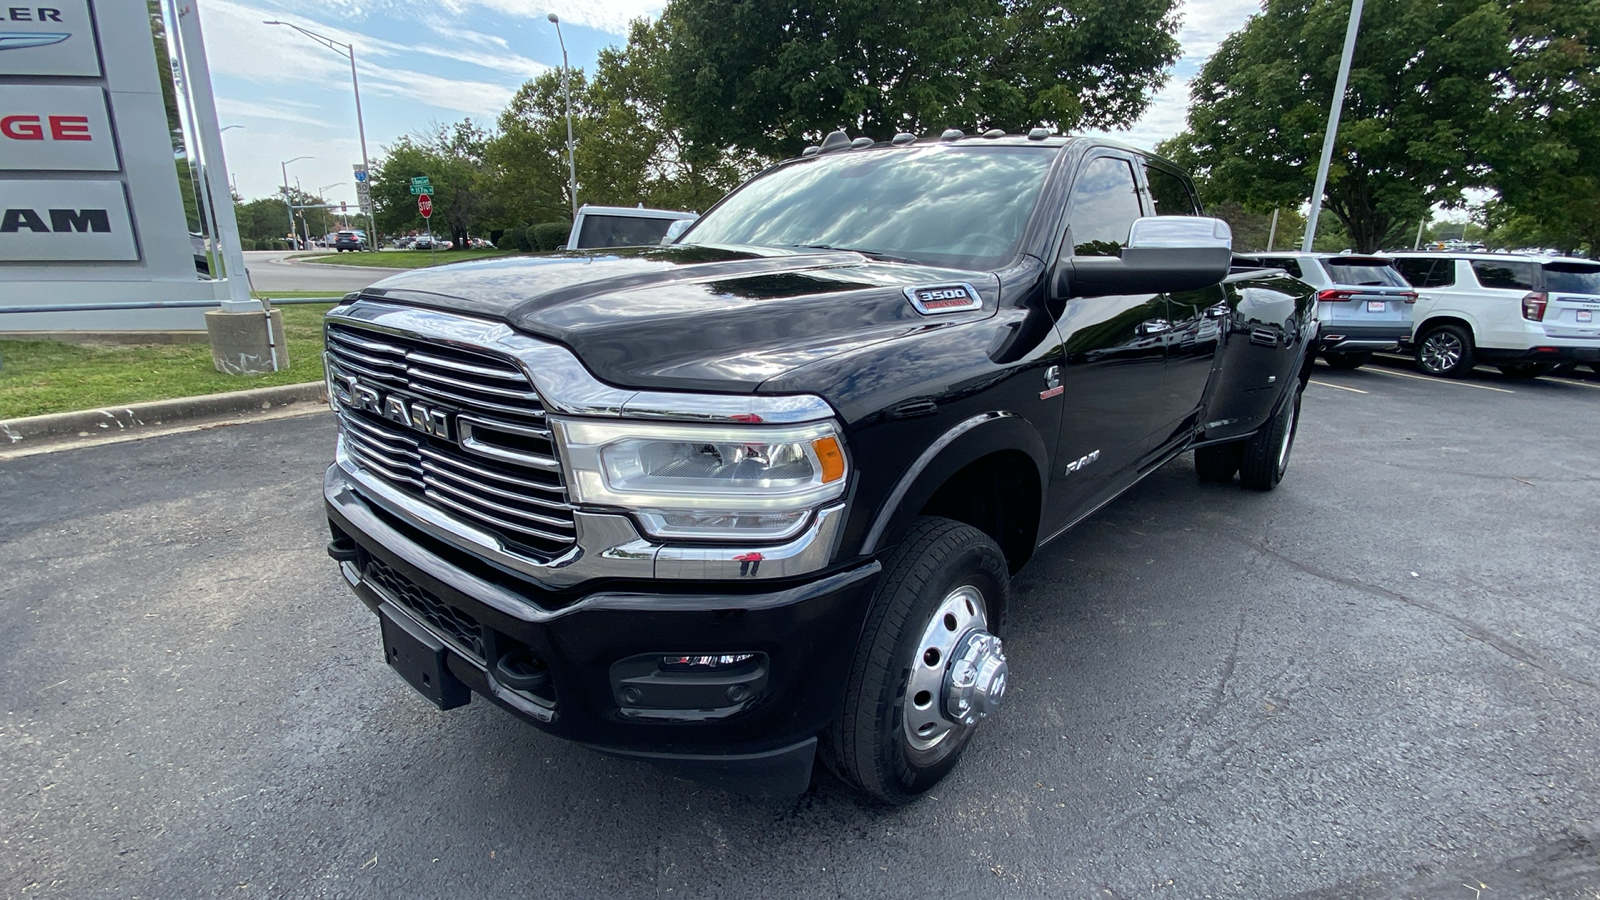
point(425, 206)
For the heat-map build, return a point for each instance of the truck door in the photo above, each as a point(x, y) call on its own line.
point(1195, 318)
point(1113, 351)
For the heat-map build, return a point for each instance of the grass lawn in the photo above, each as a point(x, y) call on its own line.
point(47, 377)
point(405, 259)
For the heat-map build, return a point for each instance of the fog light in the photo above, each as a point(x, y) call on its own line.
point(677, 663)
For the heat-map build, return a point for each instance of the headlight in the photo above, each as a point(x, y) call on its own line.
point(706, 482)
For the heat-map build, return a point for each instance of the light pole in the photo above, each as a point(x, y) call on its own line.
point(566, 88)
point(1333, 123)
point(287, 203)
point(325, 187)
point(349, 52)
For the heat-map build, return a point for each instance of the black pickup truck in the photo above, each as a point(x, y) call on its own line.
point(757, 495)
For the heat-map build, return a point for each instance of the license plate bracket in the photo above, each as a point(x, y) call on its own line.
point(1377, 306)
point(1585, 316)
point(420, 658)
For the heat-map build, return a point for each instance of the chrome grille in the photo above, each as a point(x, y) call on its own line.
point(497, 470)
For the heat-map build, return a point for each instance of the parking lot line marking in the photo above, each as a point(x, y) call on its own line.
point(1430, 378)
point(1339, 387)
point(1568, 381)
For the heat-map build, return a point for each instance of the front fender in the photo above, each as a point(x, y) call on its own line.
point(964, 443)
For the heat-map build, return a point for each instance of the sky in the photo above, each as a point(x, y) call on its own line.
point(425, 61)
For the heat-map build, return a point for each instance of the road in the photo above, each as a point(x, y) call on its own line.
point(1380, 680)
point(270, 271)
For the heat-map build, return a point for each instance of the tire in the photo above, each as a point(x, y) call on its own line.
point(1446, 351)
point(1219, 462)
point(1346, 361)
point(1524, 369)
point(870, 742)
point(1266, 453)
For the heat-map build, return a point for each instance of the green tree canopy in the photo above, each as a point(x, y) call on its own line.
point(1423, 103)
point(769, 76)
point(454, 159)
point(1545, 163)
point(628, 148)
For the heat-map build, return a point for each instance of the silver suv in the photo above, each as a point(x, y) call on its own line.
point(1363, 303)
point(1524, 314)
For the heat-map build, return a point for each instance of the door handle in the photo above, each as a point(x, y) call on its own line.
point(1152, 326)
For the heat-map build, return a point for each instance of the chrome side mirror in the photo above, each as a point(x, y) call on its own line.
point(1163, 254)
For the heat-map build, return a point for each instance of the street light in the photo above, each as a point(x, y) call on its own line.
point(566, 88)
point(287, 204)
point(1333, 123)
point(349, 52)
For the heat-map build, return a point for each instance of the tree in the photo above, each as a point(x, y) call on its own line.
point(628, 148)
point(1546, 163)
point(1421, 107)
point(453, 158)
point(769, 76)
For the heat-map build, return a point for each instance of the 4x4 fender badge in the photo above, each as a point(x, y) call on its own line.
point(1052, 383)
point(944, 298)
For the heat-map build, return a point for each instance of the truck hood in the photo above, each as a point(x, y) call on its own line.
point(693, 317)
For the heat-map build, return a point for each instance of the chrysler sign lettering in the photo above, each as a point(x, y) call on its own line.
point(51, 38)
point(55, 127)
point(51, 221)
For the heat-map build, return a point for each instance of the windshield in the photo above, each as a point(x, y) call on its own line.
point(949, 206)
point(1566, 278)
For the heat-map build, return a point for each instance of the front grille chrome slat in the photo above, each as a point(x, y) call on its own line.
point(520, 497)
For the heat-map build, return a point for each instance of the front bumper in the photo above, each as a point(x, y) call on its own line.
point(803, 632)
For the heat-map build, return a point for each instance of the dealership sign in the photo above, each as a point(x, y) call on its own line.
point(54, 37)
point(55, 127)
point(55, 221)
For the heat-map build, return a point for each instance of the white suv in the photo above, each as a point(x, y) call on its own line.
point(1524, 314)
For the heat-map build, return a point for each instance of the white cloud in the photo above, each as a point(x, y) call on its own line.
point(230, 108)
point(610, 16)
point(1205, 24)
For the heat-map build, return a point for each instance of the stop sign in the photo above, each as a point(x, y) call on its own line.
point(425, 205)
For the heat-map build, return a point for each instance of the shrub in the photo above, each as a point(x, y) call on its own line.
point(514, 238)
point(549, 235)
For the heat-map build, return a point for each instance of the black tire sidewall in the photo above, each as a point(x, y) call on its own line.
point(938, 556)
point(1262, 469)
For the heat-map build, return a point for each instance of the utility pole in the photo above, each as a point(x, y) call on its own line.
point(1333, 122)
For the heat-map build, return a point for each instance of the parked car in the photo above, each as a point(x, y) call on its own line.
point(621, 226)
point(430, 242)
point(1524, 314)
point(349, 240)
point(1363, 304)
point(712, 503)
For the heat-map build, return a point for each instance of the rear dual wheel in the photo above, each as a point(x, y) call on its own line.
point(929, 665)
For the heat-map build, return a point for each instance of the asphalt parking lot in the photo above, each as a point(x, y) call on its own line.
point(1381, 680)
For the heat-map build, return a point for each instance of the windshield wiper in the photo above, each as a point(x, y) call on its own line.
point(875, 254)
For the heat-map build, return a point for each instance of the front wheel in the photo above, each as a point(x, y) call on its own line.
point(929, 665)
point(1266, 453)
point(1446, 351)
point(1346, 361)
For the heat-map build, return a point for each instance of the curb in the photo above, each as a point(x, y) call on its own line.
point(15, 434)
